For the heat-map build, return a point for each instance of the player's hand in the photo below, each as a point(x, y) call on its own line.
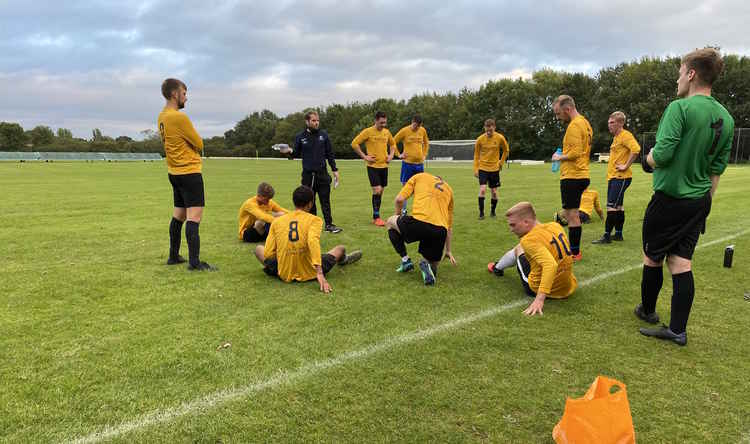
point(556, 157)
point(620, 167)
point(337, 176)
point(325, 287)
point(450, 257)
point(476, 174)
point(369, 158)
point(389, 158)
point(402, 155)
point(535, 307)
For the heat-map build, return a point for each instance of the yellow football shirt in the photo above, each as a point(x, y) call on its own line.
point(251, 211)
point(577, 146)
point(487, 155)
point(182, 144)
point(548, 251)
point(590, 202)
point(294, 240)
point(376, 145)
point(433, 199)
point(623, 145)
point(416, 143)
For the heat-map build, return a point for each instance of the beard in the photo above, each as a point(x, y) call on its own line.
point(180, 105)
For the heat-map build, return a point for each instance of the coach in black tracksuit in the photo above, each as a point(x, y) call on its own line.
point(314, 146)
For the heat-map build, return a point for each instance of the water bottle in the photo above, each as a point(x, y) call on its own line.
point(556, 163)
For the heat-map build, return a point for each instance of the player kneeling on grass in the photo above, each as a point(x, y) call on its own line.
point(430, 224)
point(292, 250)
point(257, 213)
point(543, 257)
point(589, 204)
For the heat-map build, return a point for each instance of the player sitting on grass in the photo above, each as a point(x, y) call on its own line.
point(257, 213)
point(589, 204)
point(292, 250)
point(542, 258)
point(430, 224)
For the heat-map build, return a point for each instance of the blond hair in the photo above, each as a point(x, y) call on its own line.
point(523, 210)
point(490, 122)
point(619, 116)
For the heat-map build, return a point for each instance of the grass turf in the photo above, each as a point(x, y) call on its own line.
point(96, 331)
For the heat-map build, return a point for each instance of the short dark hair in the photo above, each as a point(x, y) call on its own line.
point(417, 119)
point(380, 115)
point(563, 101)
point(706, 62)
point(169, 86)
point(302, 196)
point(311, 113)
point(266, 190)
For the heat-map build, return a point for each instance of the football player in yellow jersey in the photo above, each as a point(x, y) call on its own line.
point(292, 249)
point(380, 148)
point(416, 146)
point(490, 151)
point(182, 146)
point(589, 204)
point(574, 165)
point(622, 153)
point(430, 223)
point(257, 213)
point(543, 259)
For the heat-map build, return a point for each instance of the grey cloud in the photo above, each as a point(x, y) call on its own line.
point(84, 64)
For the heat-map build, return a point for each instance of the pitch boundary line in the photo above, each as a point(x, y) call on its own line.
point(284, 377)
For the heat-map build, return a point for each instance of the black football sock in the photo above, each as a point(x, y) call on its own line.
point(651, 282)
point(175, 231)
point(493, 205)
point(575, 239)
point(683, 291)
point(620, 222)
point(397, 241)
point(377, 199)
point(194, 242)
point(609, 222)
point(481, 205)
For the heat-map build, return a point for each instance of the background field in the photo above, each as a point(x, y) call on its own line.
point(95, 331)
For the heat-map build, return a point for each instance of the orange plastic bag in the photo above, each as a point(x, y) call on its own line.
point(600, 416)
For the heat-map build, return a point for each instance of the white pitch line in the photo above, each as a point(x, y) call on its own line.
point(285, 377)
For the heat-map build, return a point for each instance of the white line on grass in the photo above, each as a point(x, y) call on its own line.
point(285, 377)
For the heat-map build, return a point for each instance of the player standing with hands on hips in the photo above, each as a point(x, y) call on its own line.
point(380, 148)
point(692, 150)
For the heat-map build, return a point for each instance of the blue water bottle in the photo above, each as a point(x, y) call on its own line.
point(556, 163)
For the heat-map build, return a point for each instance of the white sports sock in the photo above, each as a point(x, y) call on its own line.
point(405, 258)
point(508, 260)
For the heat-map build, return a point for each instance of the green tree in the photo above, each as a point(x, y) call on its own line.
point(41, 135)
point(12, 137)
point(64, 134)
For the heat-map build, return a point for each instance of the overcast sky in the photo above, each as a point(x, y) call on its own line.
point(99, 64)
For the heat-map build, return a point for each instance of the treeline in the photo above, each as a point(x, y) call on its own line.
point(522, 109)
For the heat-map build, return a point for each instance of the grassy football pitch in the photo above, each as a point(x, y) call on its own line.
point(100, 341)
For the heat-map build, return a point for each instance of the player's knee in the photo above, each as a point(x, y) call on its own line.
point(179, 214)
point(391, 224)
point(678, 265)
point(260, 252)
point(650, 262)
